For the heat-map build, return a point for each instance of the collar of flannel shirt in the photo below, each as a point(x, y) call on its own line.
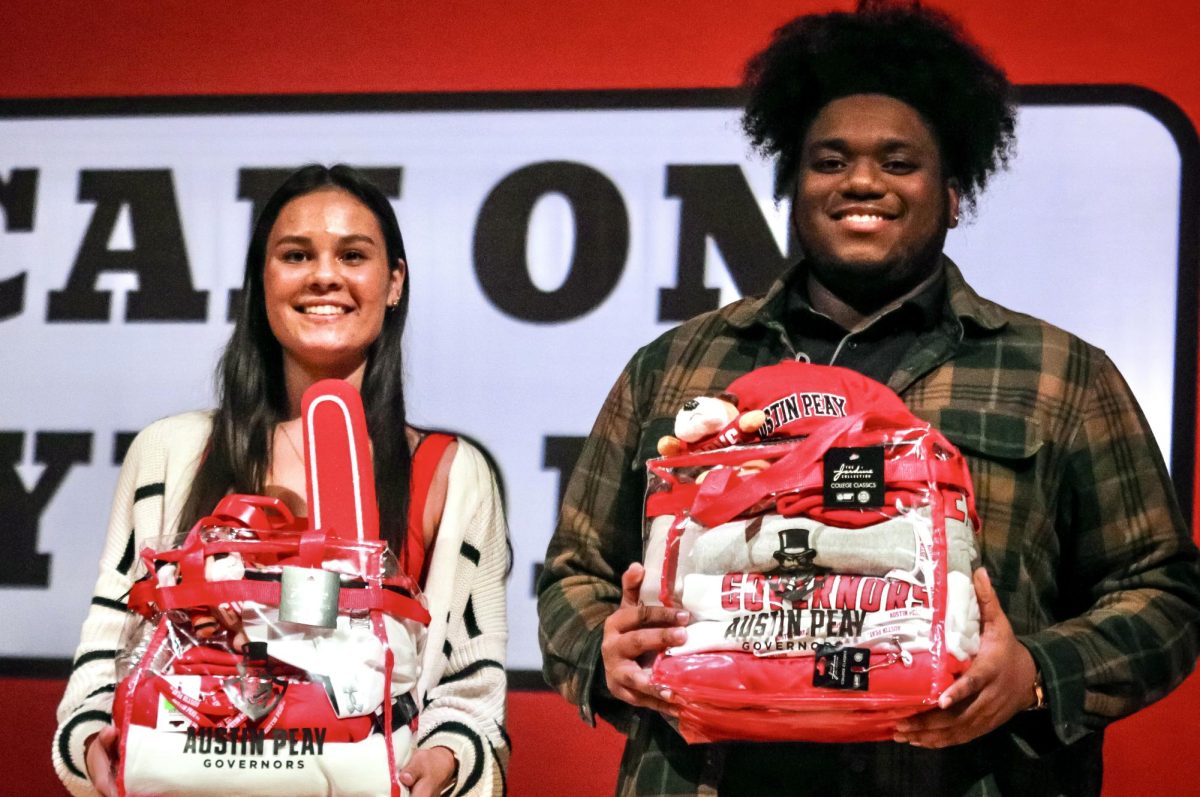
point(965, 304)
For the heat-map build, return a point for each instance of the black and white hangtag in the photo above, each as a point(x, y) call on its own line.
point(854, 478)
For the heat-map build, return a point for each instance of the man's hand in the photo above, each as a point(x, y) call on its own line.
point(100, 758)
point(631, 631)
point(997, 685)
point(430, 772)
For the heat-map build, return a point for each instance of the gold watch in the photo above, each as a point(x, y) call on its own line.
point(1039, 692)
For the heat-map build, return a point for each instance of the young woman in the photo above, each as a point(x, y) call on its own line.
point(325, 295)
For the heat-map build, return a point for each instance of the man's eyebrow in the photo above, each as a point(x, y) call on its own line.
point(893, 144)
point(841, 145)
point(838, 144)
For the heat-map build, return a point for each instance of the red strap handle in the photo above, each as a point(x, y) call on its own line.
point(145, 597)
point(306, 549)
point(259, 512)
point(731, 495)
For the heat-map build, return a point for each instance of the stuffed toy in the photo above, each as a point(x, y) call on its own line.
point(705, 423)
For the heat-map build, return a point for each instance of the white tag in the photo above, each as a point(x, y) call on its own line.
point(309, 596)
point(170, 718)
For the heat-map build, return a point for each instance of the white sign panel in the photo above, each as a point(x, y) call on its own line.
point(544, 248)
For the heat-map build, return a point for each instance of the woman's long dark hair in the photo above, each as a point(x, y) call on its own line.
point(253, 396)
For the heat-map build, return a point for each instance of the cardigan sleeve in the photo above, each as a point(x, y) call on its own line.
point(464, 680)
point(86, 706)
point(151, 488)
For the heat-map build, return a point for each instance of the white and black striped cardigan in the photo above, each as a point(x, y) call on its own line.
point(462, 684)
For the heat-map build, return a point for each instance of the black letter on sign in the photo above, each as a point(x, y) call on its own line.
point(716, 203)
point(257, 185)
point(561, 454)
point(18, 195)
point(21, 511)
point(158, 256)
point(601, 241)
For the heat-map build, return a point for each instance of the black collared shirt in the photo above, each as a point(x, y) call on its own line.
point(876, 348)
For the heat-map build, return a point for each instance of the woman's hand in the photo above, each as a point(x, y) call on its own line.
point(430, 772)
point(100, 757)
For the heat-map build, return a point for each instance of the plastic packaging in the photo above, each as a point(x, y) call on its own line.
point(271, 655)
point(219, 694)
point(826, 569)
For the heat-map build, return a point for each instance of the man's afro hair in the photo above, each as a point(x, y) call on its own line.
point(917, 55)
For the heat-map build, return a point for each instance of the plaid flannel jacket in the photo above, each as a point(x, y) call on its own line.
point(1081, 535)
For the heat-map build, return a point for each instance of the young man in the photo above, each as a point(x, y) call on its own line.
point(883, 124)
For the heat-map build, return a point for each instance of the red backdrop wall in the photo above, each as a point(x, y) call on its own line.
point(52, 48)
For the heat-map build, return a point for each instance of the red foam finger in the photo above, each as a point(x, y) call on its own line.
point(337, 455)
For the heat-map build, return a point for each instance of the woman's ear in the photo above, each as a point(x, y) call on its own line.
point(396, 282)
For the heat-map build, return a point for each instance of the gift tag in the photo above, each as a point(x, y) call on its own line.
point(854, 477)
point(169, 718)
point(841, 668)
point(309, 596)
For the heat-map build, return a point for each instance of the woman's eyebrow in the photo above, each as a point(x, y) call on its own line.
point(356, 237)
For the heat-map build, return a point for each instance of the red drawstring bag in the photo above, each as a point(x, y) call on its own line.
point(271, 656)
point(827, 576)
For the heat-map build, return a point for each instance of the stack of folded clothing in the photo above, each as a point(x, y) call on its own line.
point(823, 549)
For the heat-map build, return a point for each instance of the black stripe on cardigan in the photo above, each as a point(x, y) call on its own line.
point(102, 690)
point(127, 558)
point(469, 551)
point(92, 655)
point(64, 738)
point(504, 735)
point(109, 603)
point(149, 490)
point(462, 730)
point(500, 769)
point(471, 669)
point(472, 624)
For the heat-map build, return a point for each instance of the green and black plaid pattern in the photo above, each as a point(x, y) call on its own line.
point(1081, 534)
